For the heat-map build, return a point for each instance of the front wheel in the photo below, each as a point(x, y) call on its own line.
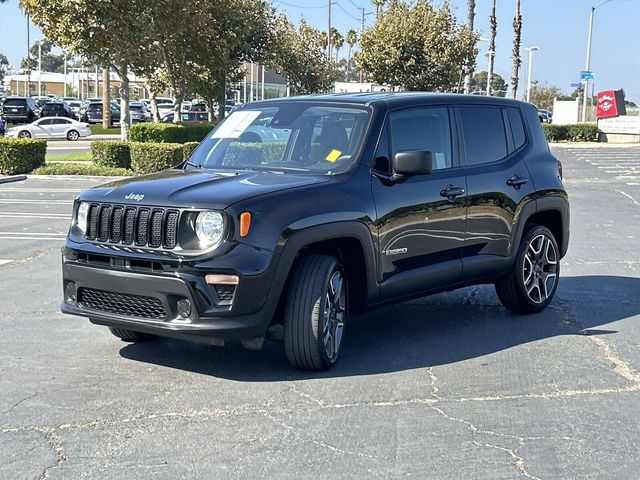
point(315, 312)
point(533, 279)
point(73, 135)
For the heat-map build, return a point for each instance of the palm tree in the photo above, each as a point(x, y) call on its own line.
point(379, 4)
point(471, 13)
point(352, 39)
point(337, 41)
point(493, 27)
point(515, 54)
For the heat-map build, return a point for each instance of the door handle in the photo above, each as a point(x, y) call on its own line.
point(516, 181)
point(451, 192)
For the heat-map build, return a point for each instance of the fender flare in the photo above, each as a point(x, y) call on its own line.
point(293, 241)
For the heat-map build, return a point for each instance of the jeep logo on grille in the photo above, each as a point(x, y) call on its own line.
point(134, 196)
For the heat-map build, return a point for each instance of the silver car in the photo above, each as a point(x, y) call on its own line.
point(51, 127)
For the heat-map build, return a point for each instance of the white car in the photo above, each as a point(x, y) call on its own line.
point(51, 127)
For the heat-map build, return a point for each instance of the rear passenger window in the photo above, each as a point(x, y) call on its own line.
point(423, 129)
point(485, 140)
point(517, 127)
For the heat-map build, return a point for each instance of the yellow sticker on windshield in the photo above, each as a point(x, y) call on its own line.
point(333, 155)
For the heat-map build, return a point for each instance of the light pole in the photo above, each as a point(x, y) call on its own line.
point(530, 50)
point(588, 62)
point(490, 54)
point(39, 68)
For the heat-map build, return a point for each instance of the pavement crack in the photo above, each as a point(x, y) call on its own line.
point(55, 442)
point(19, 402)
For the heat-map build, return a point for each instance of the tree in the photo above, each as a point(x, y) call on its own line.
point(4, 62)
point(542, 95)
point(299, 55)
point(337, 41)
point(379, 4)
point(498, 84)
point(471, 13)
point(108, 32)
point(352, 39)
point(515, 54)
point(50, 62)
point(417, 47)
point(493, 28)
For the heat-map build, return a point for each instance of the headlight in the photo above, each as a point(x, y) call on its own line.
point(209, 228)
point(81, 219)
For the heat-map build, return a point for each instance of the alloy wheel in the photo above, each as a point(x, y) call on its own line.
point(540, 269)
point(333, 318)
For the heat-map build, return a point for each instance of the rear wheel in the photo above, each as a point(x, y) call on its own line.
point(315, 312)
point(24, 134)
point(533, 279)
point(129, 335)
point(73, 135)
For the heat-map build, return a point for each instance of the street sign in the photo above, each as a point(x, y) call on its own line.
point(576, 85)
point(586, 75)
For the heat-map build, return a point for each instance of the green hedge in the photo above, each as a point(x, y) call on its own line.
point(153, 157)
point(188, 147)
point(150, 132)
point(21, 155)
point(82, 169)
point(579, 132)
point(111, 153)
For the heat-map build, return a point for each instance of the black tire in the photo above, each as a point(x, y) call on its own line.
point(540, 278)
point(129, 335)
point(314, 319)
point(24, 134)
point(73, 135)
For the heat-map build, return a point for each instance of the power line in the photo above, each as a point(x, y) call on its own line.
point(299, 6)
point(345, 11)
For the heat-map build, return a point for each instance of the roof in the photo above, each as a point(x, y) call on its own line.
point(400, 99)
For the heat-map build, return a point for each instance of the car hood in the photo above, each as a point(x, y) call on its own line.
point(197, 188)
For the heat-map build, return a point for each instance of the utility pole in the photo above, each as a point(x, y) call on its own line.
point(329, 34)
point(262, 88)
point(97, 92)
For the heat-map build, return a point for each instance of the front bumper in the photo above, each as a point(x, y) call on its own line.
point(150, 302)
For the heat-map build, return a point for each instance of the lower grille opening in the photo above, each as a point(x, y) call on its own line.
point(225, 293)
point(121, 303)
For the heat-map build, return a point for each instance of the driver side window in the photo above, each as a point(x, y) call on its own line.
point(423, 129)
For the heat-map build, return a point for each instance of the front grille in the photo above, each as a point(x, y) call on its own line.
point(121, 303)
point(139, 226)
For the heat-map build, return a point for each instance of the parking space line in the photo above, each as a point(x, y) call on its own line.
point(18, 201)
point(4, 262)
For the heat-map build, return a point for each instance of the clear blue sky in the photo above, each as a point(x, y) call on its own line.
point(558, 27)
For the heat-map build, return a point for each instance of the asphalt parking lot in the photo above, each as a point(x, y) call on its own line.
point(449, 386)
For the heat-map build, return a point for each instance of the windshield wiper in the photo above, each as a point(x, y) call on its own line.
point(192, 164)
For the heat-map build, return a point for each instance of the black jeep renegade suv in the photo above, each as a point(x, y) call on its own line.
point(305, 211)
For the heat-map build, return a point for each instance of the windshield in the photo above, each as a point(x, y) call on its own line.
point(296, 136)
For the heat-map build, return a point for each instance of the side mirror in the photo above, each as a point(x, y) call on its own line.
point(412, 162)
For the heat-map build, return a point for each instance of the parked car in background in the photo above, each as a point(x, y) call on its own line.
point(19, 109)
point(544, 115)
point(56, 109)
point(93, 114)
point(187, 117)
point(75, 106)
point(51, 127)
point(139, 112)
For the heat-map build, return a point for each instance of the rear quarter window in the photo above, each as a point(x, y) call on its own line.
point(483, 130)
point(517, 127)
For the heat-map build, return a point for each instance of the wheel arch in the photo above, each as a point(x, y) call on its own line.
point(350, 242)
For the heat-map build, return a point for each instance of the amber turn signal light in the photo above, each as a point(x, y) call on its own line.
point(245, 223)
